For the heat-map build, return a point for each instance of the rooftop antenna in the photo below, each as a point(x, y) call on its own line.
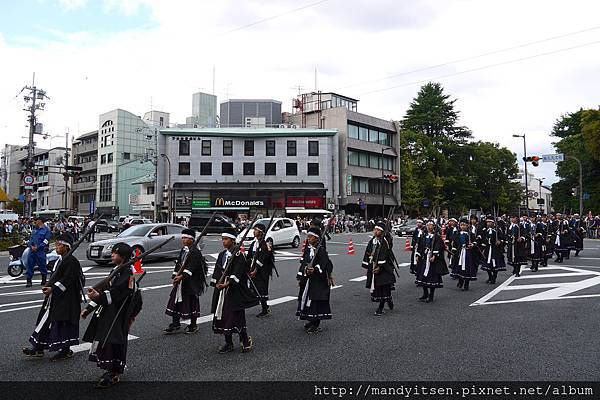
point(214, 72)
point(315, 78)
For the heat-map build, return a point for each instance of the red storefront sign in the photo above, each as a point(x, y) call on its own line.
point(307, 202)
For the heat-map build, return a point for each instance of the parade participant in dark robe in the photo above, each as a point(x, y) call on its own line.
point(493, 251)
point(380, 270)
point(451, 230)
point(189, 284)
point(111, 319)
point(475, 231)
point(563, 241)
point(517, 250)
point(432, 264)
point(57, 325)
point(526, 231)
point(536, 243)
point(415, 243)
point(314, 283)
point(548, 244)
point(578, 231)
point(232, 295)
point(260, 263)
point(463, 263)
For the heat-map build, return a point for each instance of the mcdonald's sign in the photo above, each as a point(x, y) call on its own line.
point(225, 202)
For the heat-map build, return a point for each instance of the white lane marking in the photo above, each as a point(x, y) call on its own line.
point(20, 303)
point(86, 346)
point(588, 258)
point(346, 243)
point(359, 279)
point(404, 264)
point(494, 292)
point(20, 308)
point(209, 318)
point(337, 286)
point(537, 276)
point(556, 291)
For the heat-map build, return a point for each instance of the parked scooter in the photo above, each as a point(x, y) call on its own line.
point(18, 256)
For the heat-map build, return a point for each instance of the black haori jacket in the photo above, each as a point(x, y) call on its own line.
point(436, 248)
point(65, 300)
point(112, 307)
point(238, 295)
point(194, 273)
point(318, 282)
point(386, 269)
point(263, 262)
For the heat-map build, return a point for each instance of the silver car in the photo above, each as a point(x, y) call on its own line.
point(141, 237)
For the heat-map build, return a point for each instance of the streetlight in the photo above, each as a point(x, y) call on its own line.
point(383, 183)
point(525, 161)
point(168, 184)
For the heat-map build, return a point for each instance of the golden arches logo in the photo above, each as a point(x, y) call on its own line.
point(219, 202)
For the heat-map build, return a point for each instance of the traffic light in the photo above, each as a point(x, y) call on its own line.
point(535, 160)
point(391, 178)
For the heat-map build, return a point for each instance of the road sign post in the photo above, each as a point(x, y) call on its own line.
point(553, 157)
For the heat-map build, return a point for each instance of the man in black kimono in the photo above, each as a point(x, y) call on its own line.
point(57, 325)
point(463, 261)
point(189, 282)
point(314, 281)
point(536, 243)
point(231, 296)
point(111, 319)
point(414, 245)
point(517, 247)
point(260, 262)
point(380, 270)
point(578, 231)
point(492, 244)
point(432, 264)
point(563, 239)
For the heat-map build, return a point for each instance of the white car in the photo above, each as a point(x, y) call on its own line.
point(282, 232)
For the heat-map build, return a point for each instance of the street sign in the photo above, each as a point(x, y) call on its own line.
point(28, 187)
point(349, 185)
point(586, 196)
point(553, 157)
point(331, 206)
point(28, 180)
point(426, 203)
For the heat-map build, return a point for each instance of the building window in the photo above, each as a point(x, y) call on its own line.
point(270, 168)
point(363, 134)
point(126, 156)
point(313, 147)
point(227, 147)
point(103, 159)
point(373, 136)
point(270, 150)
point(291, 148)
point(291, 169)
point(248, 147)
point(184, 168)
point(227, 168)
point(109, 158)
point(184, 147)
point(352, 131)
point(106, 187)
point(206, 147)
point(205, 168)
point(248, 168)
point(150, 190)
point(313, 169)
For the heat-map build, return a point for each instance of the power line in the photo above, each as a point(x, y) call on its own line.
point(471, 57)
point(482, 67)
point(260, 21)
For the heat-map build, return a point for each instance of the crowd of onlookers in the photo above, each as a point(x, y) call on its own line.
point(23, 227)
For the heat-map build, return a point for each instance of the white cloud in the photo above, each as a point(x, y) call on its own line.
point(349, 41)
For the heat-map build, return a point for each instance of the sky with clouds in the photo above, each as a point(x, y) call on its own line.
point(513, 66)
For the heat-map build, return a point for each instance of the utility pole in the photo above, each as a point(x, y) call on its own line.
point(34, 94)
point(66, 176)
point(526, 177)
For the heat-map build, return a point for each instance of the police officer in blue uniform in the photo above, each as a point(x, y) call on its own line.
point(38, 244)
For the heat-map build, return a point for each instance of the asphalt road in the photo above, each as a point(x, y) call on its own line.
point(542, 326)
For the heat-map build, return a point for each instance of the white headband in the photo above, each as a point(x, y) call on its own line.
point(187, 236)
point(228, 235)
point(63, 242)
point(378, 227)
point(312, 234)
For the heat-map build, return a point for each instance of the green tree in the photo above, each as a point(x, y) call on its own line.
point(579, 136)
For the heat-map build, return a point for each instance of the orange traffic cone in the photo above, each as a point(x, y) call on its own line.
point(351, 251)
point(407, 246)
point(137, 266)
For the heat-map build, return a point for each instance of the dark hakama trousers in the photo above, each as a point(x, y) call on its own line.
point(315, 311)
point(188, 307)
point(55, 336)
point(382, 293)
point(111, 357)
point(427, 277)
point(230, 322)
